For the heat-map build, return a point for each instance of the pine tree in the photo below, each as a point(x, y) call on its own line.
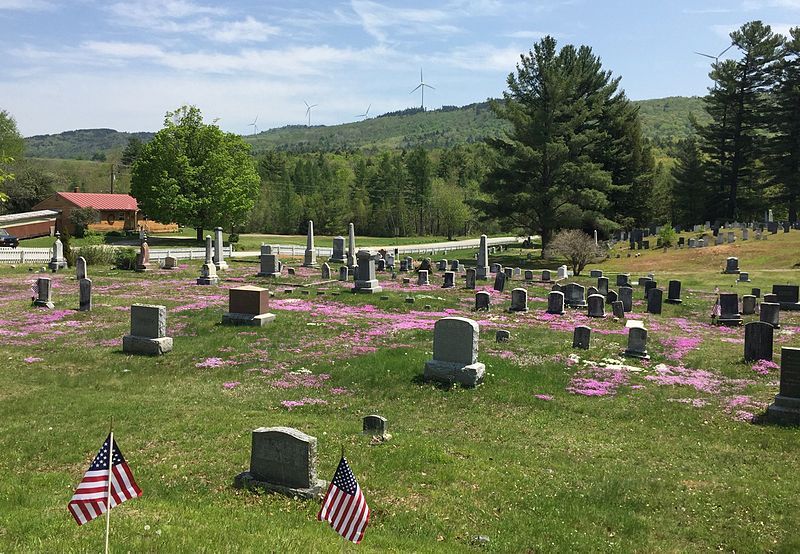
point(689, 190)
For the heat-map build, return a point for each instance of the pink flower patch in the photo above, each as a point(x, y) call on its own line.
point(546, 397)
point(230, 385)
point(211, 362)
point(290, 404)
point(763, 367)
point(32, 359)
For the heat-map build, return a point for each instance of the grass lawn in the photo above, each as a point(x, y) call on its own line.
point(558, 450)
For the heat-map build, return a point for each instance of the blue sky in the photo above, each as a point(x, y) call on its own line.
point(122, 64)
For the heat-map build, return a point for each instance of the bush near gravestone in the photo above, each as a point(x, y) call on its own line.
point(577, 247)
point(96, 254)
point(667, 236)
point(125, 258)
point(81, 218)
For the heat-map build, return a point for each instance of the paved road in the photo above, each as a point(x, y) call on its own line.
point(402, 249)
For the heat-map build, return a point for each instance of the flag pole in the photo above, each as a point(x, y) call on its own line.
point(108, 492)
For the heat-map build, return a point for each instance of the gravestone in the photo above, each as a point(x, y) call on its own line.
point(426, 265)
point(208, 271)
point(692, 243)
point(143, 259)
point(602, 285)
point(581, 336)
point(310, 255)
point(644, 280)
point(390, 261)
point(509, 273)
point(674, 292)
point(771, 298)
point(482, 271)
point(785, 408)
point(80, 268)
point(380, 265)
point(338, 256)
point(648, 286)
point(270, 265)
point(637, 343)
point(44, 293)
point(455, 266)
point(563, 272)
point(745, 234)
point(617, 310)
point(590, 291)
point(455, 353)
point(626, 297)
point(471, 277)
point(623, 279)
point(442, 265)
point(731, 237)
point(546, 276)
point(595, 273)
point(755, 291)
point(502, 335)
point(611, 296)
point(85, 295)
point(148, 331)
point(770, 312)
point(495, 268)
point(744, 277)
point(758, 341)
point(654, 301)
point(248, 305)
point(597, 305)
point(731, 265)
point(482, 300)
point(403, 266)
point(344, 273)
point(681, 242)
point(718, 240)
point(375, 426)
point(449, 280)
point(787, 296)
point(351, 248)
point(500, 281)
point(555, 302)
point(729, 308)
point(57, 259)
point(365, 281)
point(528, 275)
point(574, 295)
point(326, 271)
point(748, 304)
point(422, 277)
point(283, 460)
point(519, 300)
point(219, 253)
point(170, 261)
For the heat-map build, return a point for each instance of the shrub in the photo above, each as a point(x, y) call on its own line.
point(92, 237)
point(667, 236)
point(95, 254)
point(577, 247)
point(125, 258)
point(233, 238)
point(81, 218)
point(69, 254)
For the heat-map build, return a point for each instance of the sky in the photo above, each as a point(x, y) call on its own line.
point(84, 64)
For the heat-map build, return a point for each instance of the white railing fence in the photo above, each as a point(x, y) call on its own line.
point(24, 255)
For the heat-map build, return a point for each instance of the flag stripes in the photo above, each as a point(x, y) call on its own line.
point(344, 505)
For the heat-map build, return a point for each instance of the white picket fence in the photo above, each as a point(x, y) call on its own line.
point(24, 255)
point(186, 253)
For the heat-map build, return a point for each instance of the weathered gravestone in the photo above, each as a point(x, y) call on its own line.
point(80, 268)
point(471, 277)
point(602, 285)
point(344, 273)
point(351, 248)
point(595, 273)
point(365, 274)
point(519, 300)
point(748, 304)
point(499, 281)
point(729, 309)
point(755, 291)
point(143, 259)
point(44, 292)
point(637, 343)
point(455, 353)
point(770, 312)
point(170, 261)
point(248, 305)
point(785, 409)
point(787, 296)
point(219, 253)
point(758, 341)
point(574, 295)
point(449, 280)
point(426, 265)
point(528, 275)
point(375, 426)
point(626, 297)
point(611, 296)
point(771, 298)
point(654, 301)
point(509, 273)
point(744, 277)
point(674, 292)
point(442, 265)
point(555, 302)
point(422, 277)
point(648, 286)
point(326, 271)
point(455, 266)
point(85, 295)
point(623, 279)
point(148, 331)
point(617, 309)
point(545, 276)
point(208, 271)
point(502, 335)
point(731, 265)
point(482, 271)
point(310, 255)
point(597, 305)
point(482, 300)
point(338, 256)
point(581, 336)
point(270, 265)
point(563, 272)
point(283, 460)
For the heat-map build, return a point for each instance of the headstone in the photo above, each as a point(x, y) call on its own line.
point(597, 305)
point(744, 277)
point(581, 336)
point(482, 300)
point(654, 299)
point(270, 265)
point(375, 426)
point(623, 279)
point(502, 335)
point(85, 295)
point(692, 243)
point(718, 239)
point(170, 261)
point(758, 341)
point(729, 308)
point(770, 312)
point(403, 266)
point(519, 300)
point(208, 271)
point(563, 272)
point(574, 295)
point(637, 343)
point(410, 263)
point(771, 298)
point(674, 292)
point(442, 265)
point(617, 310)
point(219, 254)
point(422, 278)
point(283, 460)
point(380, 265)
point(509, 273)
point(449, 280)
point(455, 265)
point(602, 285)
point(326, 271)
point(546, 276)
point(500, 281)
point(57, 259)
point(80, 268)
point(495, 268)
point(787, 296)
point(595, 273)
point(338, 256)
point(611, 296)
point(455, 353)
point(482, 271)
point(626, 297)
point(310, 255)
point(44, 293)
point(644, 280)
point(745, 234)
point(648, 286)
point(148, 331)
point(555, 302)
point(528, 275)
point(426, 265)
point(471, 277)
point(143, 259)
point(365, 274)
point(351, 248)
point(390, 261)
point(732, 265)
point(248, 305)
point(785, 408)
point(755, 291)
point(731, 237)
point(344, 273)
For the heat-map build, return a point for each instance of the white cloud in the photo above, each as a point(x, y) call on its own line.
point(26, 5)
point(482, 57)
point(379, 20)
point(248, 30)
point(529, 34)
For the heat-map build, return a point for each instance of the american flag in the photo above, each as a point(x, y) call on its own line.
point(89, 500)
point(344, 505)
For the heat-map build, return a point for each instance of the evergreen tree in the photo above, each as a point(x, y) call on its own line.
point(690, 196)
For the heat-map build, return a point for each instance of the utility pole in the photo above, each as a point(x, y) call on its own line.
point(113, 176)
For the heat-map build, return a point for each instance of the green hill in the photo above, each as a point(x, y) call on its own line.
point(664, 120)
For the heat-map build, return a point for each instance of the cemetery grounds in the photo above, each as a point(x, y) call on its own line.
point(558, 450)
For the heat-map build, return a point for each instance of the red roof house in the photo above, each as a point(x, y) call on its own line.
point(117, 211)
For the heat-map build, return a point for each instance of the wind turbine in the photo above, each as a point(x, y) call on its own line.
point(717, 57)
point(254, 126)
point(308, 111)
point(365, 114)
point(421, 86)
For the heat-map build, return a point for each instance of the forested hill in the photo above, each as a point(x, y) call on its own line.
point(664, 120)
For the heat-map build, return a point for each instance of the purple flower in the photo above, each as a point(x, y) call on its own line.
point(230, 385)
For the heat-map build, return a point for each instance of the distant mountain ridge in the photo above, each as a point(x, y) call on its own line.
point(664, 120)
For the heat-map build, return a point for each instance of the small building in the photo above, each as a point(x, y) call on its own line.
point(118, 212)
point(26, 225)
